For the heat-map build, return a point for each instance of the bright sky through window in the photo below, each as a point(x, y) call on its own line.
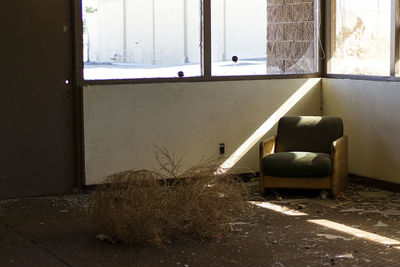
point(361, 37)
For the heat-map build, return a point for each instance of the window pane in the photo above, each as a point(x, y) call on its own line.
point(141, 38)
point(361, 37)
point(265, 36)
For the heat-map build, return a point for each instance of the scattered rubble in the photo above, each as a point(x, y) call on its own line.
point(301, 206)
point(328, 236)
point(391, 212)
point(351, 210)
point(376, 194)
point(329, 203)
point(345, 256)
point(356, 199)
point(103, 237)
point(380, 224)
point(287, 238)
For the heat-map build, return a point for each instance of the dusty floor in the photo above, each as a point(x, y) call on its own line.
point(360, 228)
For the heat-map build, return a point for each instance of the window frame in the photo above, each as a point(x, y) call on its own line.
point(394, 45)
point(205, 54)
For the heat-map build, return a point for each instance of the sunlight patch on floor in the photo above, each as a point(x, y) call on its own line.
point(278, 208)
point(357, 232)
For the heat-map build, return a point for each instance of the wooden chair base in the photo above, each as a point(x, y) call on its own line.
point(297, 182)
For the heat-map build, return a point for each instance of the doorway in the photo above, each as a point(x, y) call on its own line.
point(37, 143)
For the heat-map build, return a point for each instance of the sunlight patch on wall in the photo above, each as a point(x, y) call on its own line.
point(268, 124)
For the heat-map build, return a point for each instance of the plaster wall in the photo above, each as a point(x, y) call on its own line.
point(369, 110)
point(123, 122)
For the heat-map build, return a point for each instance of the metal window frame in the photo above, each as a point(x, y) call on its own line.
point(205, 55)
point(394, 38)
point(320, 33)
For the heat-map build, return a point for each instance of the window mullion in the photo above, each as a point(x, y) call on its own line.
point(394, 38)
point(329, 30)
point(206, 38)
point(318, 43)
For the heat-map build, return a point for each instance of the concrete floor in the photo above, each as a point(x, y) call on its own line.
point(360, 228)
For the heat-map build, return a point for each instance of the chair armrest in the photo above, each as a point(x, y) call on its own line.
point(267, 147)
point(339, 164)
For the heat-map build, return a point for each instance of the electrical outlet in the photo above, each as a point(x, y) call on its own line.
point(221, 149)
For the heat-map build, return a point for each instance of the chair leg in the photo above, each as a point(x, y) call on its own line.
point(339, 184)
point(262, 188)
point(261, 175)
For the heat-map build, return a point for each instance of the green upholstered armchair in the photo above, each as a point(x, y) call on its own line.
point(308, 152)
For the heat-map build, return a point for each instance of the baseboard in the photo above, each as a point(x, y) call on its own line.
point(247, 177)
point(389, 186)
point(244, 177)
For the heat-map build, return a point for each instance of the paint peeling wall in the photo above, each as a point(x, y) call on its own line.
point(123, 122)
point(370, 111)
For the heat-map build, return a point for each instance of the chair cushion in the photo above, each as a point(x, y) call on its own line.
point(298, 164)
point(308, 133)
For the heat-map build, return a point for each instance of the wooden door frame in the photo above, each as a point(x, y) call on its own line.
point(79, 148)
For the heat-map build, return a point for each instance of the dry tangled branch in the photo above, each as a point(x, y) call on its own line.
point(141, 206)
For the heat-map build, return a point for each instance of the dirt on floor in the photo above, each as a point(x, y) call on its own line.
point(359, 228)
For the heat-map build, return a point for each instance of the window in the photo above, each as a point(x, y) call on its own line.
point(361, 37)
point(263, 37)
point(239, 37)
point(128, 39)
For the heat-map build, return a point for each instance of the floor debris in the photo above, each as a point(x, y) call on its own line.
point(301, 206)
point(291, 201)
point(351, 210)
point(326, 203)
point(277, 195)
point(356, 199)
point(391, 212)
point(103, 237)
point(276, 234)
point(328, 236)
point(380, 224)
point(345, 256)
point(240, 223)
point(324, 194)
point(376, 194)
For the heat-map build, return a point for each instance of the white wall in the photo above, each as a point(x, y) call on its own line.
point(369, 110)
point(123, 122)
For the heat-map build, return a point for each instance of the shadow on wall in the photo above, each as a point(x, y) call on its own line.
point(369, 111)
